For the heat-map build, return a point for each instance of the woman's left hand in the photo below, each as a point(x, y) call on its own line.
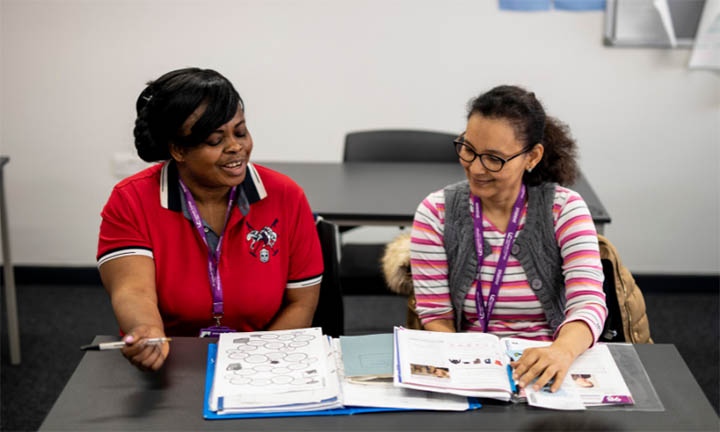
point(553, 362)
point(545, 364)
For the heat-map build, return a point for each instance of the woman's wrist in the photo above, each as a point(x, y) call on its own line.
point(574, 338)
point(441, 325)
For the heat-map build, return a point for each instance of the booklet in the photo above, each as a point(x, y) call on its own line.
point(478, 365)
point(298, 372)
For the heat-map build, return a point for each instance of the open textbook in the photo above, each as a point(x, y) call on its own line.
point(477, 364)
point(296, 372)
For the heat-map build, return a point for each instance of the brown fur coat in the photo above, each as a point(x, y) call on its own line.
point(398, 277)
point(396, 265)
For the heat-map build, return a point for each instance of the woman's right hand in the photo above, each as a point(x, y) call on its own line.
point(145, 357)
point(130, 281)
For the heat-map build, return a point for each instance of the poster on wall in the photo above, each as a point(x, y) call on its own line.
point(652, 23)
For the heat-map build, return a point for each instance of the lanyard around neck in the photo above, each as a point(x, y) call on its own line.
point(213, 256)
point(485, 310)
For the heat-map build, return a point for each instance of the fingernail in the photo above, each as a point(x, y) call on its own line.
point(129, 339)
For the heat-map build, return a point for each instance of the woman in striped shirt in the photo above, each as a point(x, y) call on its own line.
point(511, 229)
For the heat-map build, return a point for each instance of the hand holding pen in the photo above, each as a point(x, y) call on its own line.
point(146, 356)
point(122, 344)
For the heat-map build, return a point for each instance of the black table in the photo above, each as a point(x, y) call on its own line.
point(387, 193)
point(106, 393)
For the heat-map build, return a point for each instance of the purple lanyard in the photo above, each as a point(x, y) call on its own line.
point(213, 256)
point(484, 311)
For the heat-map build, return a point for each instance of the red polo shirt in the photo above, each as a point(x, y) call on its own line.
point(270, 245)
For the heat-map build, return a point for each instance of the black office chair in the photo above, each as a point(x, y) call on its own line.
point(613, 330)
point(360, 268)
point(330, 312)
point(399, 146)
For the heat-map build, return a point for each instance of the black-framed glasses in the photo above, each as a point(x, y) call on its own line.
point(491, 162)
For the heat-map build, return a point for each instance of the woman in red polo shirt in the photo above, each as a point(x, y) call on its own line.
point(204, 241)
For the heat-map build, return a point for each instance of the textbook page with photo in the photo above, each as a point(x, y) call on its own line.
point(477, 365)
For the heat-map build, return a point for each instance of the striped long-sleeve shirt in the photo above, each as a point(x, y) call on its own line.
point(517, 311)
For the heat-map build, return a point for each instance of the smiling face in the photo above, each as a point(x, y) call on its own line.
point(220, 161)
point(496, 136)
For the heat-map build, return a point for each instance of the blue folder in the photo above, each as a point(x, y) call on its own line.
point(212, 415)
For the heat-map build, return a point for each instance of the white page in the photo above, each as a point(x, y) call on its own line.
point(468, 364)
point(262, 368)
point(706, 51)
point(326, 397)
point(641, 22)
point(593, 376)
point(563, 399)
point(597, 378)
point(664, 11)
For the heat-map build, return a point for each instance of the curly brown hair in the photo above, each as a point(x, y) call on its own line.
point(531, 125)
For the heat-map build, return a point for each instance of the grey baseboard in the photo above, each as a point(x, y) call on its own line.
point(355, 284)
point(678, 283)
point(45, 275)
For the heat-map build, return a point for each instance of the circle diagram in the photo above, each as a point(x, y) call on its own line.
point(273, 359)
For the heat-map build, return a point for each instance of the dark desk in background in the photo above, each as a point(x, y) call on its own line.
point(387, 193)
point(107, 393)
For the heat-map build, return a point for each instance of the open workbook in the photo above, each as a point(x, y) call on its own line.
point(477, 364)
point(300, 372)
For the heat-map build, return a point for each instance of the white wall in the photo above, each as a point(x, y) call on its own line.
point(310, 70)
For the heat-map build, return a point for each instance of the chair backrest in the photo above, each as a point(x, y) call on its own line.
point(399, 146)
point(613, 330)
point(330, 312)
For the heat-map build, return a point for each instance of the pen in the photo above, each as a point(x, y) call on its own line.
point(120, 344)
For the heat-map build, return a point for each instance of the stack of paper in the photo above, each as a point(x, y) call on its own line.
point(281, 371)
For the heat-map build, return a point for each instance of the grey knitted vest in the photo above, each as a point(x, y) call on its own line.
point(535, 247)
